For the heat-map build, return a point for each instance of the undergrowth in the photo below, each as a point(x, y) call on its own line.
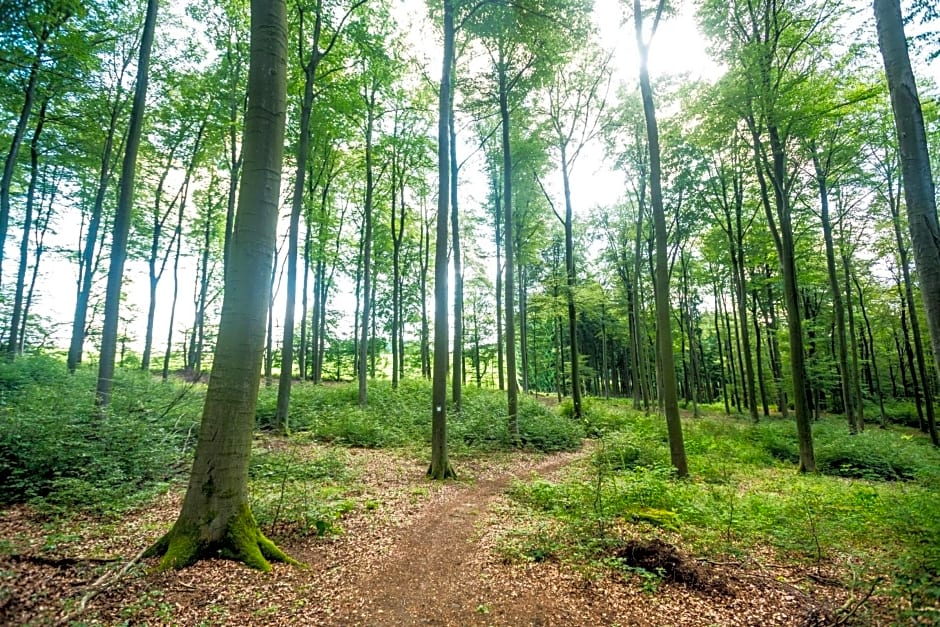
point(58, 452)
point(402, 417)
point(874, 504)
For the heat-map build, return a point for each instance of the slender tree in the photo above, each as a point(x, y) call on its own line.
point(440, 467)
point(663, 312)
point(122, 217)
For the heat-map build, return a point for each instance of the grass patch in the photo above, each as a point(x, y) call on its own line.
point(874, 503)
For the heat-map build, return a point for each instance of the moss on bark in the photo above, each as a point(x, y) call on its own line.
point(446, 471)
point(241, 541)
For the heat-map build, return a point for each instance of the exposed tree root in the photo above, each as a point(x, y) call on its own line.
point(101, 584)
point(241, 540)
point(440, 474)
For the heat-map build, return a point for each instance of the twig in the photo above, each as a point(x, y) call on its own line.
point(100, 585)
point(861, 602)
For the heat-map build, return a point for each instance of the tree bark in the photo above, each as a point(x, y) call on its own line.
point(122, 217)
point(215, 519)
point(512, 385)
point(835, 291)
point(919, 191)
point(440, 467)
point(663, 315)
point(13, 345)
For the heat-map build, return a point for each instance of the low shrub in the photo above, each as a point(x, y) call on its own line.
point(55, 447)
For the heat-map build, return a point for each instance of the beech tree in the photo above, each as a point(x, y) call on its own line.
point(122, 217)
point(919, 193)
point(215, 519)
point(440, 465)
point(663, 312)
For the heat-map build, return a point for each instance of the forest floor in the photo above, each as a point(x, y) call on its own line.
point(410, 552)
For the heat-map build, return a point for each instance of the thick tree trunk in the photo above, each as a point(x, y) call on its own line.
point(915, 167)
point(215, 519)
point(122, 217)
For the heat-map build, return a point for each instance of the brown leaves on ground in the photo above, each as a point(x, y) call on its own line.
point(413, 552)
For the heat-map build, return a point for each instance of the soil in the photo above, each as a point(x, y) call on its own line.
point(420, 553)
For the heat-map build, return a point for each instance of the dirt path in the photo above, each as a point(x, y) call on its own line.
point(413, 552)
point(431, 575)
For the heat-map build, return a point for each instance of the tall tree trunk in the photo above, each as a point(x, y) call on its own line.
point(850, 309)
point(302, 361)
point(458, 369)
point(425, 254)
point(215, 518)
point(178, 238)
point(498, 218)
point(440, 467)
point(512, 385)
point(835, 291)
point(365, 318)
point(883, 418)
point(569, 292)
point(783, 241)
point(13, 345)
point(87, 254)
point(721, 351)
point(919, 193)
point(397, 234)
point(760, 352)
point(52, 20)
point(42, 229)
point(663, 315)
point(920, 375)
point(122, 217)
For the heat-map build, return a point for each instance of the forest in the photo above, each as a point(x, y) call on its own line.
point(496, 312)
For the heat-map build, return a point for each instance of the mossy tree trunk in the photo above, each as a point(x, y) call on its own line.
point(215, 520)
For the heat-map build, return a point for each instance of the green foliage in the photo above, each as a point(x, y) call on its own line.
point(745, 493)
point(872, 454)
point(272, 465)
point(55, 449)
point(482, 425)
point(401, 417)
point(291, 489)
